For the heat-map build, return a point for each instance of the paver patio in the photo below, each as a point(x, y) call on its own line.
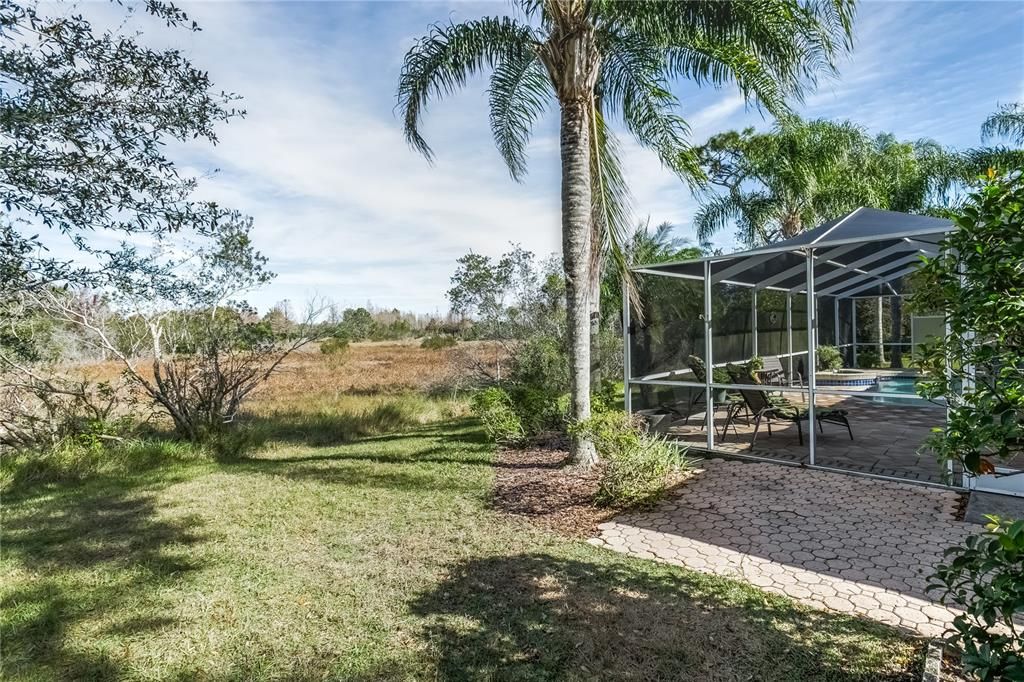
point(886, 441)
point(845, 543)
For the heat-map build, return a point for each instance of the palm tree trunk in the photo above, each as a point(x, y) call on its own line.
point(576, 240)
point(881, 335)
point(896, 310)
point(595, 327)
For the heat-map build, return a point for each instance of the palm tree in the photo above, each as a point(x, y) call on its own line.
point(800, 174)
point(643, 247)
point(601, 58)
point(774, 185)
point(779, 183)
point(1007, 121)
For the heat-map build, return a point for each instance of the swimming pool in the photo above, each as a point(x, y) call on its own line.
point(883, 391)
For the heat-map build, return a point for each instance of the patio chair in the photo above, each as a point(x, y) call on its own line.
point(733, 400)
point(693, 397)
point(771, 372)
point(766, 409)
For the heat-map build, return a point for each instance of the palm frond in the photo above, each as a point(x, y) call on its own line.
point(780, 46)
point(1007, 121)
point(442, 61)
point(519, 93)
point(633, 83)
point(716, 212)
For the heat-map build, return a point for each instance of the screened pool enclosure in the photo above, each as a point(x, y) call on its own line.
point(829, 294)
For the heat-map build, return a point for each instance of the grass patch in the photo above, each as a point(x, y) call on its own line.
point(374, 559)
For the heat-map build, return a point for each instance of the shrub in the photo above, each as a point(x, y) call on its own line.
point(985, 579)
point(607, 397)
point(637, 466)
point(336, 345)
point(868, 358)
point(829, 358)
point(438, 341)
point(540, 362)
point(493, 406)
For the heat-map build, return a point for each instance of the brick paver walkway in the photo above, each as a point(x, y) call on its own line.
point(845, 543)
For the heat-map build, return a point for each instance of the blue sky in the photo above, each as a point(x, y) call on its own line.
point(345, 210)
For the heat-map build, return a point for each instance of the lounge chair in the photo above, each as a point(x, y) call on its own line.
point(767, 409)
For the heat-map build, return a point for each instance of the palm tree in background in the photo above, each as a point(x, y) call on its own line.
point(774, 185)
point(1006, 122)
point(643, 247)
point(601, 59)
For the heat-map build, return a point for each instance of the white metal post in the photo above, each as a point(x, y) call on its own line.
point(853, 326)
point(627, 339)
point(753, 318)
point(812, 353)
point(709, 399)
point(949, 382)
point(789, 334)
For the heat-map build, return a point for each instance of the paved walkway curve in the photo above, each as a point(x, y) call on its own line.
point(849, 544)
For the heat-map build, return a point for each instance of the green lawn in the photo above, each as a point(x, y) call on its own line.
point(376, 559)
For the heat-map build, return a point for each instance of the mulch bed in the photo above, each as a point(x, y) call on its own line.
point(538, 483)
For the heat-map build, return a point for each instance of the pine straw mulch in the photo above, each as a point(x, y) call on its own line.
point(538, 483)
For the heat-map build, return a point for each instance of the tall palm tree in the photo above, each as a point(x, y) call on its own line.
point(600, 59)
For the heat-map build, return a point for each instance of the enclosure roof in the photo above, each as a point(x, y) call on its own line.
point(867, 252)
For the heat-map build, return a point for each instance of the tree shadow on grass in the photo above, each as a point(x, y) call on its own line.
point(539, 616)
point(93, 555)
point(390, 461)
point(328, 427)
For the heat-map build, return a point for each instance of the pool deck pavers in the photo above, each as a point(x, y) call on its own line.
point(844, 543)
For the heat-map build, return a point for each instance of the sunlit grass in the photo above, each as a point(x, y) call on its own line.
point(374, 559)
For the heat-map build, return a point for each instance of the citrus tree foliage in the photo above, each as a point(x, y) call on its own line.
point(985, 579)
point(85, 115)
point(977, 280)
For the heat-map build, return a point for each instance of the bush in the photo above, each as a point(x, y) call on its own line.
point(868, 358)
point(336, 345)
point(493, 406)
point(637, 466)
point(607, 397)
point(985, 579)
point(438, 341)
point(829, 359)
point(540, 363)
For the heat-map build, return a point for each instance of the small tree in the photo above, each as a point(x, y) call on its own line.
point(197, 363)
point(977, 280)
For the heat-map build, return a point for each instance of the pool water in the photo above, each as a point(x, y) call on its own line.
point(884, 389)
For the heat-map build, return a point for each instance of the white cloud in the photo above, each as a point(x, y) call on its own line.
point(345, 209)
